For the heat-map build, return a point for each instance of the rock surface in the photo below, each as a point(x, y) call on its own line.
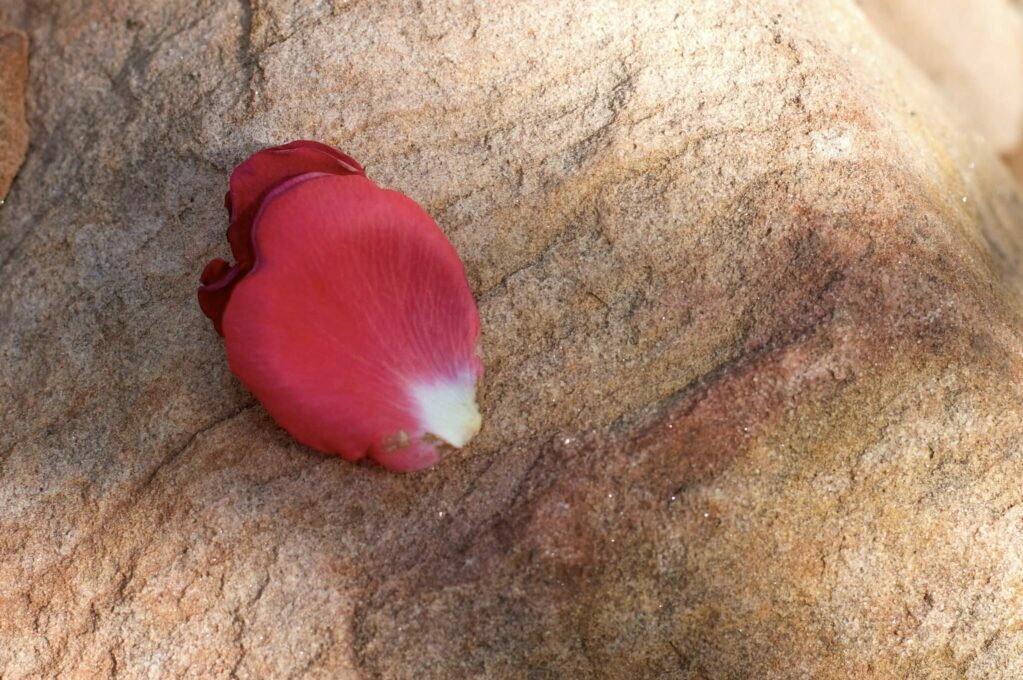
point(753, 329)
point(972, 52)
point(13, 127)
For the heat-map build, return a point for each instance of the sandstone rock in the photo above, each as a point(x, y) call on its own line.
point(972, 51)
point(752, 310)
point(13, 128)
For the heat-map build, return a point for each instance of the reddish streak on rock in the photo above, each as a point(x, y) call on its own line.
point(347, 314)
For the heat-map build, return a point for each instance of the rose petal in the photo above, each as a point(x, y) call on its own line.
point(416, 456)
point(250, 183)
point(356, 327)
point(217, 278)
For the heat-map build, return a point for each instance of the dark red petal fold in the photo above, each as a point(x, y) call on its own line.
point(250, 183)
point(217, 278)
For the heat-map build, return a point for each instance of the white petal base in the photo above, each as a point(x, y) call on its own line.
point(448, 410)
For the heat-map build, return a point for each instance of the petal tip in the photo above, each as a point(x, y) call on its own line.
point(412, 457)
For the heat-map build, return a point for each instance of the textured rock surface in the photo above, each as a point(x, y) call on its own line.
point(752, 314)
point(13, 128)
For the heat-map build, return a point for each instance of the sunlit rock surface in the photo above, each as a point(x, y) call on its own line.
point(973, 53)
point(752, 330)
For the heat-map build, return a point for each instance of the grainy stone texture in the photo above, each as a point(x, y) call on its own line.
point(753, 322)
point(13, 127)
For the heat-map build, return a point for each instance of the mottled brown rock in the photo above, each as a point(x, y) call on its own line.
point(13, 128)
point(753, 328)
